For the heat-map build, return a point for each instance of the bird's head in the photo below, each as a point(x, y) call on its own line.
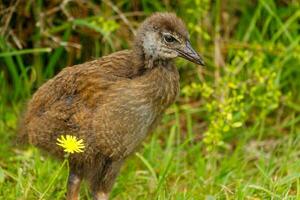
point(164, 36)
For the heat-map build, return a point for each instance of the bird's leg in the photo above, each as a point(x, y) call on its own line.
point(101, 196)
point(104, 179)
point(73, 187)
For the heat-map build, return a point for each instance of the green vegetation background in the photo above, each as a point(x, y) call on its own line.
point(233, 133)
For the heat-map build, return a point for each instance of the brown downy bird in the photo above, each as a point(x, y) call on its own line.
point(111, 103)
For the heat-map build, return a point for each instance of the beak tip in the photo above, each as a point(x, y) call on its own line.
point(201, 62)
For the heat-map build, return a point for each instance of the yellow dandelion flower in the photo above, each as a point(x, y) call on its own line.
point(70, 144)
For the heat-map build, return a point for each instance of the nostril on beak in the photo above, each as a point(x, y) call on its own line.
point(190, 54)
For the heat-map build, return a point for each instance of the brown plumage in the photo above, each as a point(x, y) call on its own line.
point(112, 103)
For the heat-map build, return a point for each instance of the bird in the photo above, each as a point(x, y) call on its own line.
point(111, 103)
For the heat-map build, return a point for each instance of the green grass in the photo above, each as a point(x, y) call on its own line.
point(234, 133)
point(170, 166)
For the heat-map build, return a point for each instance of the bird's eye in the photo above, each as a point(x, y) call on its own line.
point(169, 38)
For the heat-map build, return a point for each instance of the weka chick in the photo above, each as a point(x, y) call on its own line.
point(112, 103)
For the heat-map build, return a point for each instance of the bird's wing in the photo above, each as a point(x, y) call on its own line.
point(67, 101)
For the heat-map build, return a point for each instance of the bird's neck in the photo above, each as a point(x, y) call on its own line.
point(160, 84)
point(149, 60)
point(161, 75)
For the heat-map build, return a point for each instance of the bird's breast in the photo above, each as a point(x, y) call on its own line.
point(151, 95)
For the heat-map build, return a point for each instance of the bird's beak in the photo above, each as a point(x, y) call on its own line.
point(190, 54)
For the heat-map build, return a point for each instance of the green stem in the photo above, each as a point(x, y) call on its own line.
point(25, 51)
point(53, 180)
